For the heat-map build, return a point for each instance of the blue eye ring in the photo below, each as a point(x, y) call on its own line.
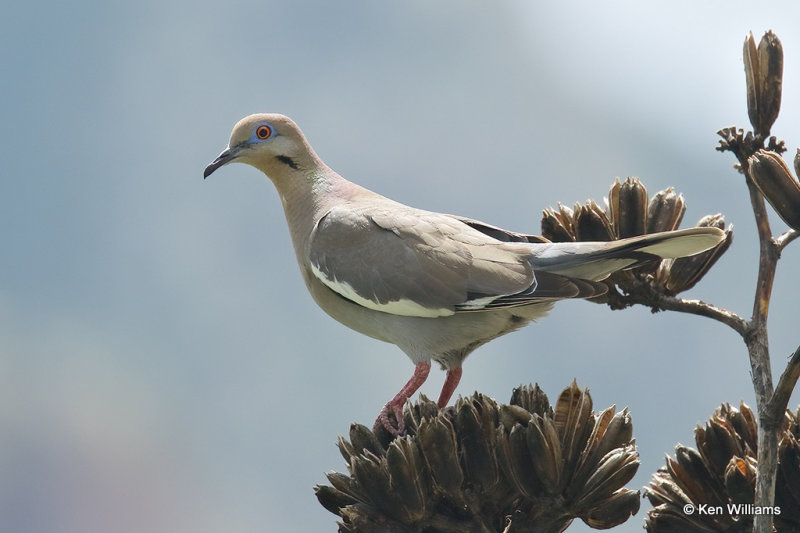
point(263, 132)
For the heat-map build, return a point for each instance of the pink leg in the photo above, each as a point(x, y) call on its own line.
point(449, 387)
point(396, 404)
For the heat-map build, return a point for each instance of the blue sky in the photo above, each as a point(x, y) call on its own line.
point(162, 367)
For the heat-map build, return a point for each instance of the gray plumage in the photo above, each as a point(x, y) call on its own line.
point(438, 286)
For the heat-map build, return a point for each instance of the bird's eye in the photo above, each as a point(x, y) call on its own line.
point(263, 132)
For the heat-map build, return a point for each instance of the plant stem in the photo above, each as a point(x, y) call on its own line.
point(780, 398)
point(701, 308)
point(786, 238)
point(757, 342)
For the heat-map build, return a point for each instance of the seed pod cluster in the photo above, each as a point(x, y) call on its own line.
point(629, 213)
point(484, 466)
point(720, 474)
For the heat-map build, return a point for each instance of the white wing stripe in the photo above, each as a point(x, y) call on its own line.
point(396, 307)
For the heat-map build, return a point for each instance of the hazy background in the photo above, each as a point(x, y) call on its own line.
point(162, 367)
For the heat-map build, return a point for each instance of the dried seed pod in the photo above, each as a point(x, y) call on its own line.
point(437, 438)
point(665, 211)
point(663, 491)
point(557, 225)
point(629, 208)
point(407, 479)
point(513, 414)
point(613, 471)
point(596, 447)
point(718, 445)
point(374, 480)
point(752, 82)
point(743, 422)
point(613, 511)
point(763, 66)
point(345, 449)
point(573, 422)
point(591, 224)
point(362, 438)
point(770, 64)
point(683, 273)
point(693, 477)
point(772, 176)
point(532, 399)
point(517, 462)
point(544, 444)
point(740, 479)
point(476, 440)
point(332, 499)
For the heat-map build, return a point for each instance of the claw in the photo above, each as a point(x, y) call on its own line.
point(397, 403)
point(383, 420)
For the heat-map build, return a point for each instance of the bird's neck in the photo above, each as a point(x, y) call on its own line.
point(306, 196)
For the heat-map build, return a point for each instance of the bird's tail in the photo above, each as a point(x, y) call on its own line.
point(597, 260)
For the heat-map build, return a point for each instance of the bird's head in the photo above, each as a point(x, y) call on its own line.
point(270, 142)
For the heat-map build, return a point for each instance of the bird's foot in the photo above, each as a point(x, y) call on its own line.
point(383, 420)
point(395, 406)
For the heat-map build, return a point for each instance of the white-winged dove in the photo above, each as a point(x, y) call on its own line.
point(437, 286)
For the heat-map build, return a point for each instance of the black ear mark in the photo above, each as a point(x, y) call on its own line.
point(286, 160)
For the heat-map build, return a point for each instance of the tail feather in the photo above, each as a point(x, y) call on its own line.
point(597, 260)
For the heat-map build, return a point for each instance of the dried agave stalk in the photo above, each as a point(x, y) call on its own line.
point(486, 467)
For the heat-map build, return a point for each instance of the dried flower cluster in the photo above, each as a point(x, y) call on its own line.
point(763, 68)
point(486, 467)
point(628, 213)
point(720, 474)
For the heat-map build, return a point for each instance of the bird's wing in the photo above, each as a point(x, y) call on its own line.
point(405, 261)
point(499, 233)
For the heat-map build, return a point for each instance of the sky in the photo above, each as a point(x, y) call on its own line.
point(162, 367)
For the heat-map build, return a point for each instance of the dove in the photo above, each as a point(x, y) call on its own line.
point(437, 286)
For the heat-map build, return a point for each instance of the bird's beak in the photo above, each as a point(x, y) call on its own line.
point(224, 158)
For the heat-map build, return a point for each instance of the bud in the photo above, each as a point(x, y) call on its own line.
point(763, 67)
point(772, 176)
